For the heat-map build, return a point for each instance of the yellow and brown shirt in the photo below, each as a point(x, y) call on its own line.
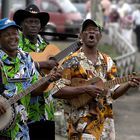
point(93, 119)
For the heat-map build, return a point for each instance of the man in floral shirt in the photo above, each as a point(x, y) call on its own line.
point(87, 103)
point(32, 21)
point(18, 73)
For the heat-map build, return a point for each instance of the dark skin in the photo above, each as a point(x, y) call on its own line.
point(9, 39)
point(90, 38)
point(31, 26)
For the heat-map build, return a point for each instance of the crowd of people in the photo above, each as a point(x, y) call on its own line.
point(124, 14)
point(79, 83)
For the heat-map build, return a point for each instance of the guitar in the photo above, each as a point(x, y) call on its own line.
point(83, 99)
point(51, 51)
point(7, 120)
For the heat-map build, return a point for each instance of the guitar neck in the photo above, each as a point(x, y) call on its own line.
point(117, 80)
point(17, 97)
point(72, 48)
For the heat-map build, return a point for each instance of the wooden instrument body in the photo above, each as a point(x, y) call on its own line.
point(7, 120)
point(53, 51)
point(83, 99)
point(50, 51)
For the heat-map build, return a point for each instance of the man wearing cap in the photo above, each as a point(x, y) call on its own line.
point(87, 103)
point(18, 73)
point(32, 21)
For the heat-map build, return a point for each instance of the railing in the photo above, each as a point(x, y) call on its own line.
point(127, 61)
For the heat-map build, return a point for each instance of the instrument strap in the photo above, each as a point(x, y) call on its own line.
point(104, 64)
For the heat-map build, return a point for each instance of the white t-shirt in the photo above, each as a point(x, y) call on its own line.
point(136, 17)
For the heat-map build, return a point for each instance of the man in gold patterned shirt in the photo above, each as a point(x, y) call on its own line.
point(85, 89)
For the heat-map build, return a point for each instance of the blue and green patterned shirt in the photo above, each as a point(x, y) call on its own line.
point(43, 103)
point(20, 67)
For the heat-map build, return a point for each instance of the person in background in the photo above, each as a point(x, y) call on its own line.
point(124, 6)
point(32, 21)
point(106, 8)
point(114, 16)
point(18, 73)
point(88, 9)
point(114, 21)
point(126, 25)
point(136, 23)
point(87, 102)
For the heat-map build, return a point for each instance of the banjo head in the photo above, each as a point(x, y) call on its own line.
point(7, 119)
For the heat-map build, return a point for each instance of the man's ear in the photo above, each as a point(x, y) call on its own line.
point(80, 37)
point(42, 29)
point(21, 25)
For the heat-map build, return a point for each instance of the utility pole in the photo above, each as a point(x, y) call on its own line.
point(5, 9)
point(94, 8)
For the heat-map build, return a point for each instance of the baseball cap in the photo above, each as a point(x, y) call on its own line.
point(90, 21)
point(5, 23)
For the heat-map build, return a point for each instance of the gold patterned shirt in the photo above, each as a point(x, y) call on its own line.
point(82, 121)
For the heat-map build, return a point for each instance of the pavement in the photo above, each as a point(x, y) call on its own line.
point(127, 116)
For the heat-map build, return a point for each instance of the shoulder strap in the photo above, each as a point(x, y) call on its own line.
point(105, 58)
point(104, 66)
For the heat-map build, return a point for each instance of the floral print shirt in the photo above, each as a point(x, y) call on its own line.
point(44, 108)
point(26, 45)
point(18, 74)
point(94, 119)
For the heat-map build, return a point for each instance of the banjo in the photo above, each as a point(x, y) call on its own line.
point(7, 120)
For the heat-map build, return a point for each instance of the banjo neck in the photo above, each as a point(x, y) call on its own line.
point(17, 97)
